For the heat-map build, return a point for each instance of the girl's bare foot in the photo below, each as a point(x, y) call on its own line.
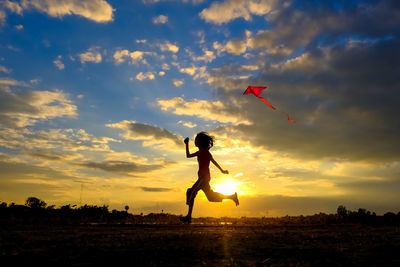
point(235, 198)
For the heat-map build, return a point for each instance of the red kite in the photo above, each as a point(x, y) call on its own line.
point(254, 90)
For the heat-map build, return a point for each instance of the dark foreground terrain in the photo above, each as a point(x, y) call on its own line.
point(200, 245)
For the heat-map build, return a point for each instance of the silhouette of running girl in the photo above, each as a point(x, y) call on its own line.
point(204, 142)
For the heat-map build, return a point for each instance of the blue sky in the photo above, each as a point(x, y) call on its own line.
point(97, 96)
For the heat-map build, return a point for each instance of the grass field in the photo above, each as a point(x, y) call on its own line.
point(200, 245)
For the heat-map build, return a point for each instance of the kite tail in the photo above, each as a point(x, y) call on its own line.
point(254, 90)
point(284, 113)
point(287, 115)
point(265, 101)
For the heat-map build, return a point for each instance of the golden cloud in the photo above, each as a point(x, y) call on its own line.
point(92, 55)
point(177, 83)
point(26, 108)
point(136, 56)
point(167, 46)
point(59, 63)
point(96, 10)
point(145, 76)
point(162, 19)
point(207, 110)
point(223, 12)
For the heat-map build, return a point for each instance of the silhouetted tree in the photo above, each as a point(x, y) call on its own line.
point(126, 208)
point(342, 211)
point(390, 217)
point(389, 214)
point(35, 203)
point(65, 207)
point(362, 212)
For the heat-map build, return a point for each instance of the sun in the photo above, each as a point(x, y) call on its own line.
point(226, 186)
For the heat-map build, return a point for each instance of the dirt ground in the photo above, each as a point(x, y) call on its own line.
point(200, 245)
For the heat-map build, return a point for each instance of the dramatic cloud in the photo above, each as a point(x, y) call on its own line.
point(155, 189)
point(19, 179)
point(282, 38)
point(231, 77)
point(23, 108)
point(122, 167)
point(96, 10)
point(223, 12)
point(340, 89)
point(48, 155)
point(53, 140)
point(207, 110)
point(150, 135)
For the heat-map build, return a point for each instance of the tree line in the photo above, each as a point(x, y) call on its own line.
point(36, 211)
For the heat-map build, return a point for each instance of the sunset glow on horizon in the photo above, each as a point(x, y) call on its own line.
point(227, 186)
point(97, 96)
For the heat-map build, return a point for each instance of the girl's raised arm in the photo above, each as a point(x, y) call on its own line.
point(188, 155)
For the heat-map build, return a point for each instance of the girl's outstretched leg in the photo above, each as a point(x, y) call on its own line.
point(218, 197)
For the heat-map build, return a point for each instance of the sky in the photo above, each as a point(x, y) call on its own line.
point(96, 97)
